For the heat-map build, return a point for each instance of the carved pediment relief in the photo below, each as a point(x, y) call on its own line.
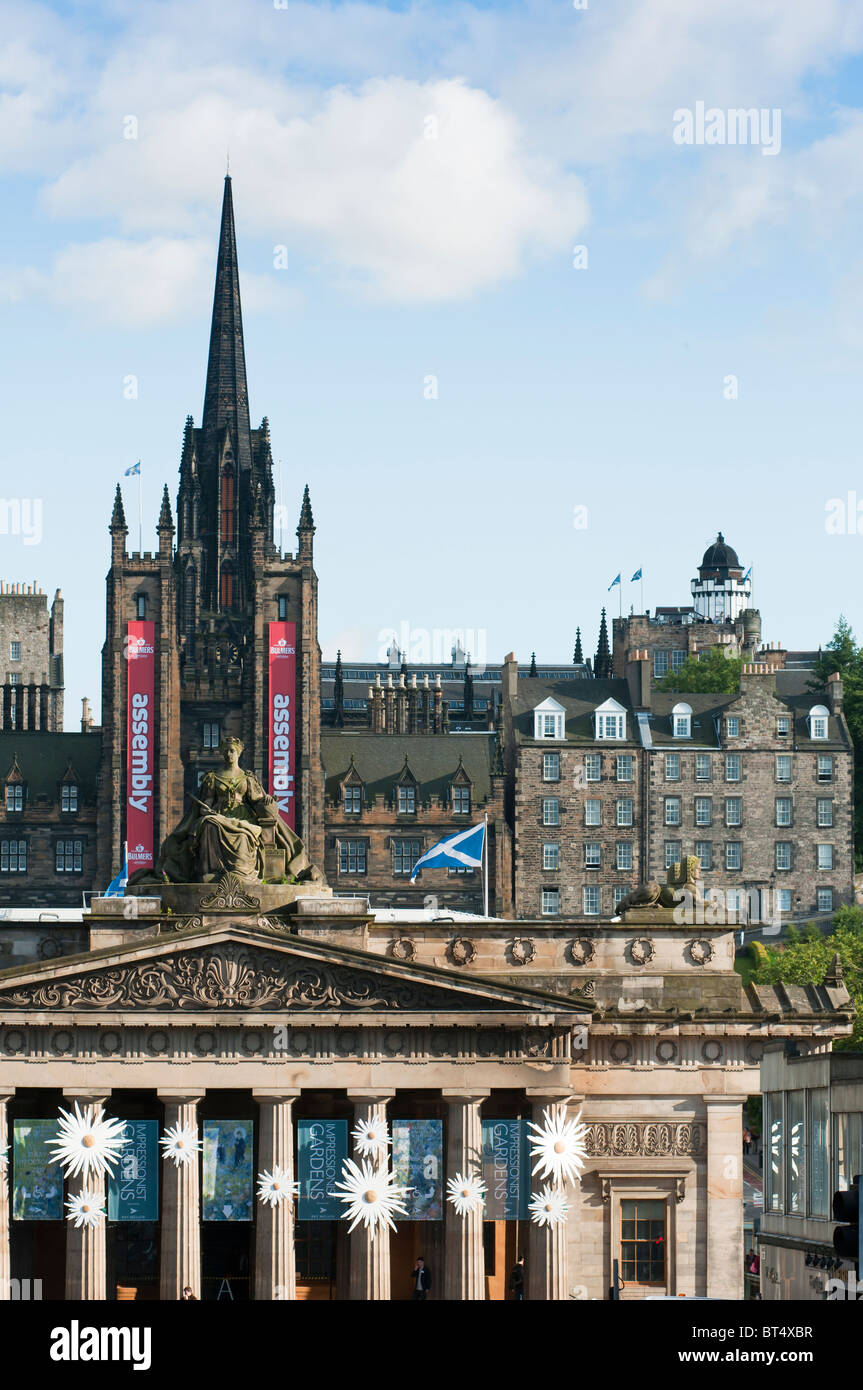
point(236, 975)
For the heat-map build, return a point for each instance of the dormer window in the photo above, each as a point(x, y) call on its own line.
point(69, 797)
point(818, 716)
point(353, 800)
point(14, 796)
point(461, 801)
point(549, 721)
point(407, 793)
point(610, 721)
point(681, 721)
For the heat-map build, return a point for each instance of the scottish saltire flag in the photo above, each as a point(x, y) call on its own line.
point(117, 887)
point(747, 574)
point(133, 471)
point(613, 582)
point(637, 575)
point(460, 851)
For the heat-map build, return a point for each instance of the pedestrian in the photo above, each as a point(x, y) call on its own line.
point(188, 1296)
point(747, 1140)
point(516, 1279)
point(421, 1281)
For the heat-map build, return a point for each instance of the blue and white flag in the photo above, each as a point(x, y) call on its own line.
point(133, 471)
point(613, 582)
point(117, 887)
point(747, 574)
point(460, 851)
point(637, 575)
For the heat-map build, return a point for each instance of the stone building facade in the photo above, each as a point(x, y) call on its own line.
point(31, 659)
point(612, 782)
point(265, 1016)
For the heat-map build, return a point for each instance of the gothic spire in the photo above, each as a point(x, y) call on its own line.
point(602, 664)
point(166, 520)
point(532, 671)
point(339, 695)
point(577, 655)
point(118, 516)
point(226, 396)
point(307, 522)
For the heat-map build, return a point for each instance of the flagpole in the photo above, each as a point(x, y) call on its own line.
point(140, 511)
point(642, 590)
point(620, 597)
point(485, 869)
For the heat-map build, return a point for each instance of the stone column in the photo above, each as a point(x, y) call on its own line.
point(5, 1182)
point(370, 1259)
point(85, 1245)
point(724, 1197)
point(275, 1270)
point(546, 1245)
point(464, 1259)
point(181, 1205)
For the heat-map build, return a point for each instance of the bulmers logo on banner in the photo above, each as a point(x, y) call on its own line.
point(282, 668)
point(140, 742)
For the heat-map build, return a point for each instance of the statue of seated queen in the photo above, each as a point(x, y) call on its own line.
point(230, 823)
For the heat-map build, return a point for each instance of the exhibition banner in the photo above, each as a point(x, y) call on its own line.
point(37, 1184)
point(282, 724)
point(133, 1187)
point(140, 743)
point(228, 1191)
point(506, 1169)
point(417, 1157)
point(322, 1147)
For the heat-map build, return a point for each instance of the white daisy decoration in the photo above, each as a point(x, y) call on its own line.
point(276, 1187)
point(467, 1194)
point(180, 1144)
point(371, 1137)
point(558, 1145)
point(86, 1208)
point(87, 1143)
point(549, 1206)
point(372, 1196)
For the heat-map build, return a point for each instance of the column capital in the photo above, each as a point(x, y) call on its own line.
point(274, 1093)
point(6, 1096)
point(465, 1094)
point(550, 1095)
point(724, 1100)
point(180, 1095)
point(370, 1093)
point(90, 1095)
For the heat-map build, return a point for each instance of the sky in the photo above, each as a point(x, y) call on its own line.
point(514, 331)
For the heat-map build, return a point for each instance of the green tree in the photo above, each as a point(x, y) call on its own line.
point(804, 957)
point(842, 654)
point(713, 674)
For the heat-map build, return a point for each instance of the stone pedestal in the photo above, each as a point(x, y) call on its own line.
point(546, 1245)
point(464, 1259)
point(724, 1197)
point(275, 1269)
point(85, 1245)
point(181, 1205)
point(5, 1182)
point(370, 1258)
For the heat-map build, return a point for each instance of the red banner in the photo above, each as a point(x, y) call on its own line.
point(140, 743)
point(282, 718)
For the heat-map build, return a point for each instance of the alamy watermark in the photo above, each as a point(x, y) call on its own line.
point(711, 125)
point(436, 646)
point(22, 516)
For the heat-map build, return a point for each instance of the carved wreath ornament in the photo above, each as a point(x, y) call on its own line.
point(701, 951)
point(403, 949)
point(523, 950)
point(582, 950)
point(642, 950)
point(463, 951)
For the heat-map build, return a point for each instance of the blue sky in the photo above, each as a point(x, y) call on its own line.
point(430, 169)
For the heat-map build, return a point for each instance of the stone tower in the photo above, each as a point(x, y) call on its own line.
point(225, 607)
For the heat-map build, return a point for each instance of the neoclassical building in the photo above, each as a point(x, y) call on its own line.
point(241, 1014)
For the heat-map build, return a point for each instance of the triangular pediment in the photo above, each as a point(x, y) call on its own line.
point(253, 969)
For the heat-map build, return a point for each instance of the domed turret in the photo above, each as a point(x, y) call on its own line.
point(722, 591)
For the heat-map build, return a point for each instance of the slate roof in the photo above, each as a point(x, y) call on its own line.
point(44, 757)
point(579, 699)
point(432, 758)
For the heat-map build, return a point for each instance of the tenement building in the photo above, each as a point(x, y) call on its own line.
point(613, 782)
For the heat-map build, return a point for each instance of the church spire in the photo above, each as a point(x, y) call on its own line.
point(226, 395)
point(602, 663)
point(577, 655)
